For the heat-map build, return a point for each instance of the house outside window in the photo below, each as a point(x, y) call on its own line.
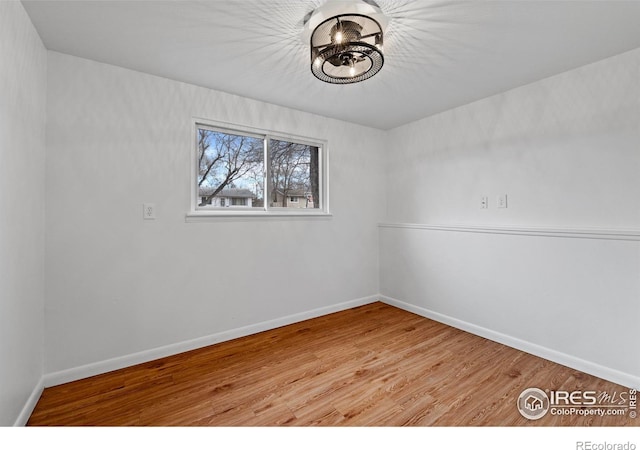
point(226, 197)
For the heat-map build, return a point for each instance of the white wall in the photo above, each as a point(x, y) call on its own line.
point(22, 181)
point(566, 151)
point(117, 285)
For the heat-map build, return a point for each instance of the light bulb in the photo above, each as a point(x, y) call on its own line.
point(317, 62)
point(338, 37)
point(352, 71)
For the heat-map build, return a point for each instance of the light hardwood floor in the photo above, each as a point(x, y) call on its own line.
point(375, 365)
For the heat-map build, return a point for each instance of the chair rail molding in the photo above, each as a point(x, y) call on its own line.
point(576, 233)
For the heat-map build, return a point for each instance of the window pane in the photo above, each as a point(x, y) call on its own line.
point(238, 201)
point(293, 175)
point(230, 170)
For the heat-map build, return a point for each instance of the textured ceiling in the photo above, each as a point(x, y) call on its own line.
point(438, 54)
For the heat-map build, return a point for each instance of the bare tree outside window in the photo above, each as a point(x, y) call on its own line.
point(228, 161)
point(293, 175)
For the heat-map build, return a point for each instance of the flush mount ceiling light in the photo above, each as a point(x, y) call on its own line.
point(346, 40)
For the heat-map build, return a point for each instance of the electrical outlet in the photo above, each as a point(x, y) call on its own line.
point(484, 202)
point(149, 211)
point(502, 201)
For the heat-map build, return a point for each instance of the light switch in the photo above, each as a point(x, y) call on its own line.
point(502, 201)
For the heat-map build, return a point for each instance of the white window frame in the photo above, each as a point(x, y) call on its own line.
point(197, 213)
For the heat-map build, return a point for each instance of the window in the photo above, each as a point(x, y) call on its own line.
point(238, 201)
point(246, 171)
point(229, 165)
point(293, 170)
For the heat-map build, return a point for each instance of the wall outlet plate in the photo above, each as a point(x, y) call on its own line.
point(502, 201)
point(148, 211)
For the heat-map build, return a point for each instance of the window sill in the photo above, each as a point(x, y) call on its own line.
point(211, 216)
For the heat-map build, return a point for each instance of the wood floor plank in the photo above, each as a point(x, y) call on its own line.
point(374, 365)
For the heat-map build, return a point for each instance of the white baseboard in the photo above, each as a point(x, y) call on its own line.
point(606, 373)
point(30, 405)
point(100, 367)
